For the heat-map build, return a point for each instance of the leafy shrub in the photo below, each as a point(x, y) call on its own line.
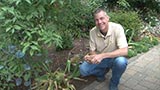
point(17, 68)
point(145, 5)
point(130, 21)
point(142, 46)
point(131, 53)
point(59, 79)
point(67, 41)
point(24, 25)
point(30, 25)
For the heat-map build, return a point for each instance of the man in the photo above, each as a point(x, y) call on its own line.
point(108, 46)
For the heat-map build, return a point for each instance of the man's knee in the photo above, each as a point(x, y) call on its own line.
point(83, 70)
point(121, 61)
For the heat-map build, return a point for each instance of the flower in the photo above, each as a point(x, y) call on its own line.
point(19, 54)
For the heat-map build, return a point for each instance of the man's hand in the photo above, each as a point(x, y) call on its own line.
point(97, 59)
point(88, 58)
point(94, 59)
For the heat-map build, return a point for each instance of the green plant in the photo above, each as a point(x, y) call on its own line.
point(19, 69)
point(25, 33)
point(130, 21)
point(59, 79)
point(67, 41)
point(131, 52)
point(142, 46)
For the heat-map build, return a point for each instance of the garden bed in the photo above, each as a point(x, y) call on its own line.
point(81, 47)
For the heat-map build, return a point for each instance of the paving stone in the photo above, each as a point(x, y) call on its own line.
point(139, 87)
point(158, 82)
point(101, 85)
point(139, 76)
point(125, 77)
point(122, 87)
point(147, 84)
point(131, 72)
point(137, 68)
point(151, 79)
point(92, 86)
point(131, 83)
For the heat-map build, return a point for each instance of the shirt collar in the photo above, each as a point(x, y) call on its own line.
point(101, 35)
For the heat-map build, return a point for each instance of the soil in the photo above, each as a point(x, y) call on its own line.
point(80, 47)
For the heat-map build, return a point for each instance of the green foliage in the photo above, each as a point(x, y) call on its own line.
point(148, 9)
point(26, 23)
point(131, 53)
point(130, 21)
point(59, 79)
point(151, 18)
point(145, 5)
point(67, 41)
point(25, 30)
point(18, 69)
point(123, 4)
point(30, 26)
point(142, 46)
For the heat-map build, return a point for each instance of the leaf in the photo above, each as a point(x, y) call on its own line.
point(2, 17)
point(68, 66)
point(47, 41)
point(17, 27)
point(13, 30)
point(61, 2)
point(7, 29)
point(1, 67)
point(33, 47)
point(52, 1)
point(28, 34)
point(26, 47)
point(31, 52)
point(27, 76)
point(42, 78)
point(18, 1)
point(28, 1)
point(11, 10)
point(35, 43)
point(4, 8)
point(41, 9)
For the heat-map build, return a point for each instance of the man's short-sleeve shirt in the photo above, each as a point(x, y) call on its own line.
point(114, 39)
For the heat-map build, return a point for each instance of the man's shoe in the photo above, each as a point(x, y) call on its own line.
point(113, 88)
point(100, 79)
point(107, 70)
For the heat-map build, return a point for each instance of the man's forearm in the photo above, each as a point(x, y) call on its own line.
point(116, 53)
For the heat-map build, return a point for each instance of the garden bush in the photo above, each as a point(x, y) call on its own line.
point(31, 25)
point(142, 46)
point(131, 22)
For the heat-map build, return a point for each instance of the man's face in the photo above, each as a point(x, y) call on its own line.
point(101, 20)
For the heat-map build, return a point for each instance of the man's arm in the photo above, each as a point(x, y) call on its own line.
point(116, 53)
point(97, 58)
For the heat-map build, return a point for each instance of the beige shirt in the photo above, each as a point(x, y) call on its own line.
point(114, 39)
